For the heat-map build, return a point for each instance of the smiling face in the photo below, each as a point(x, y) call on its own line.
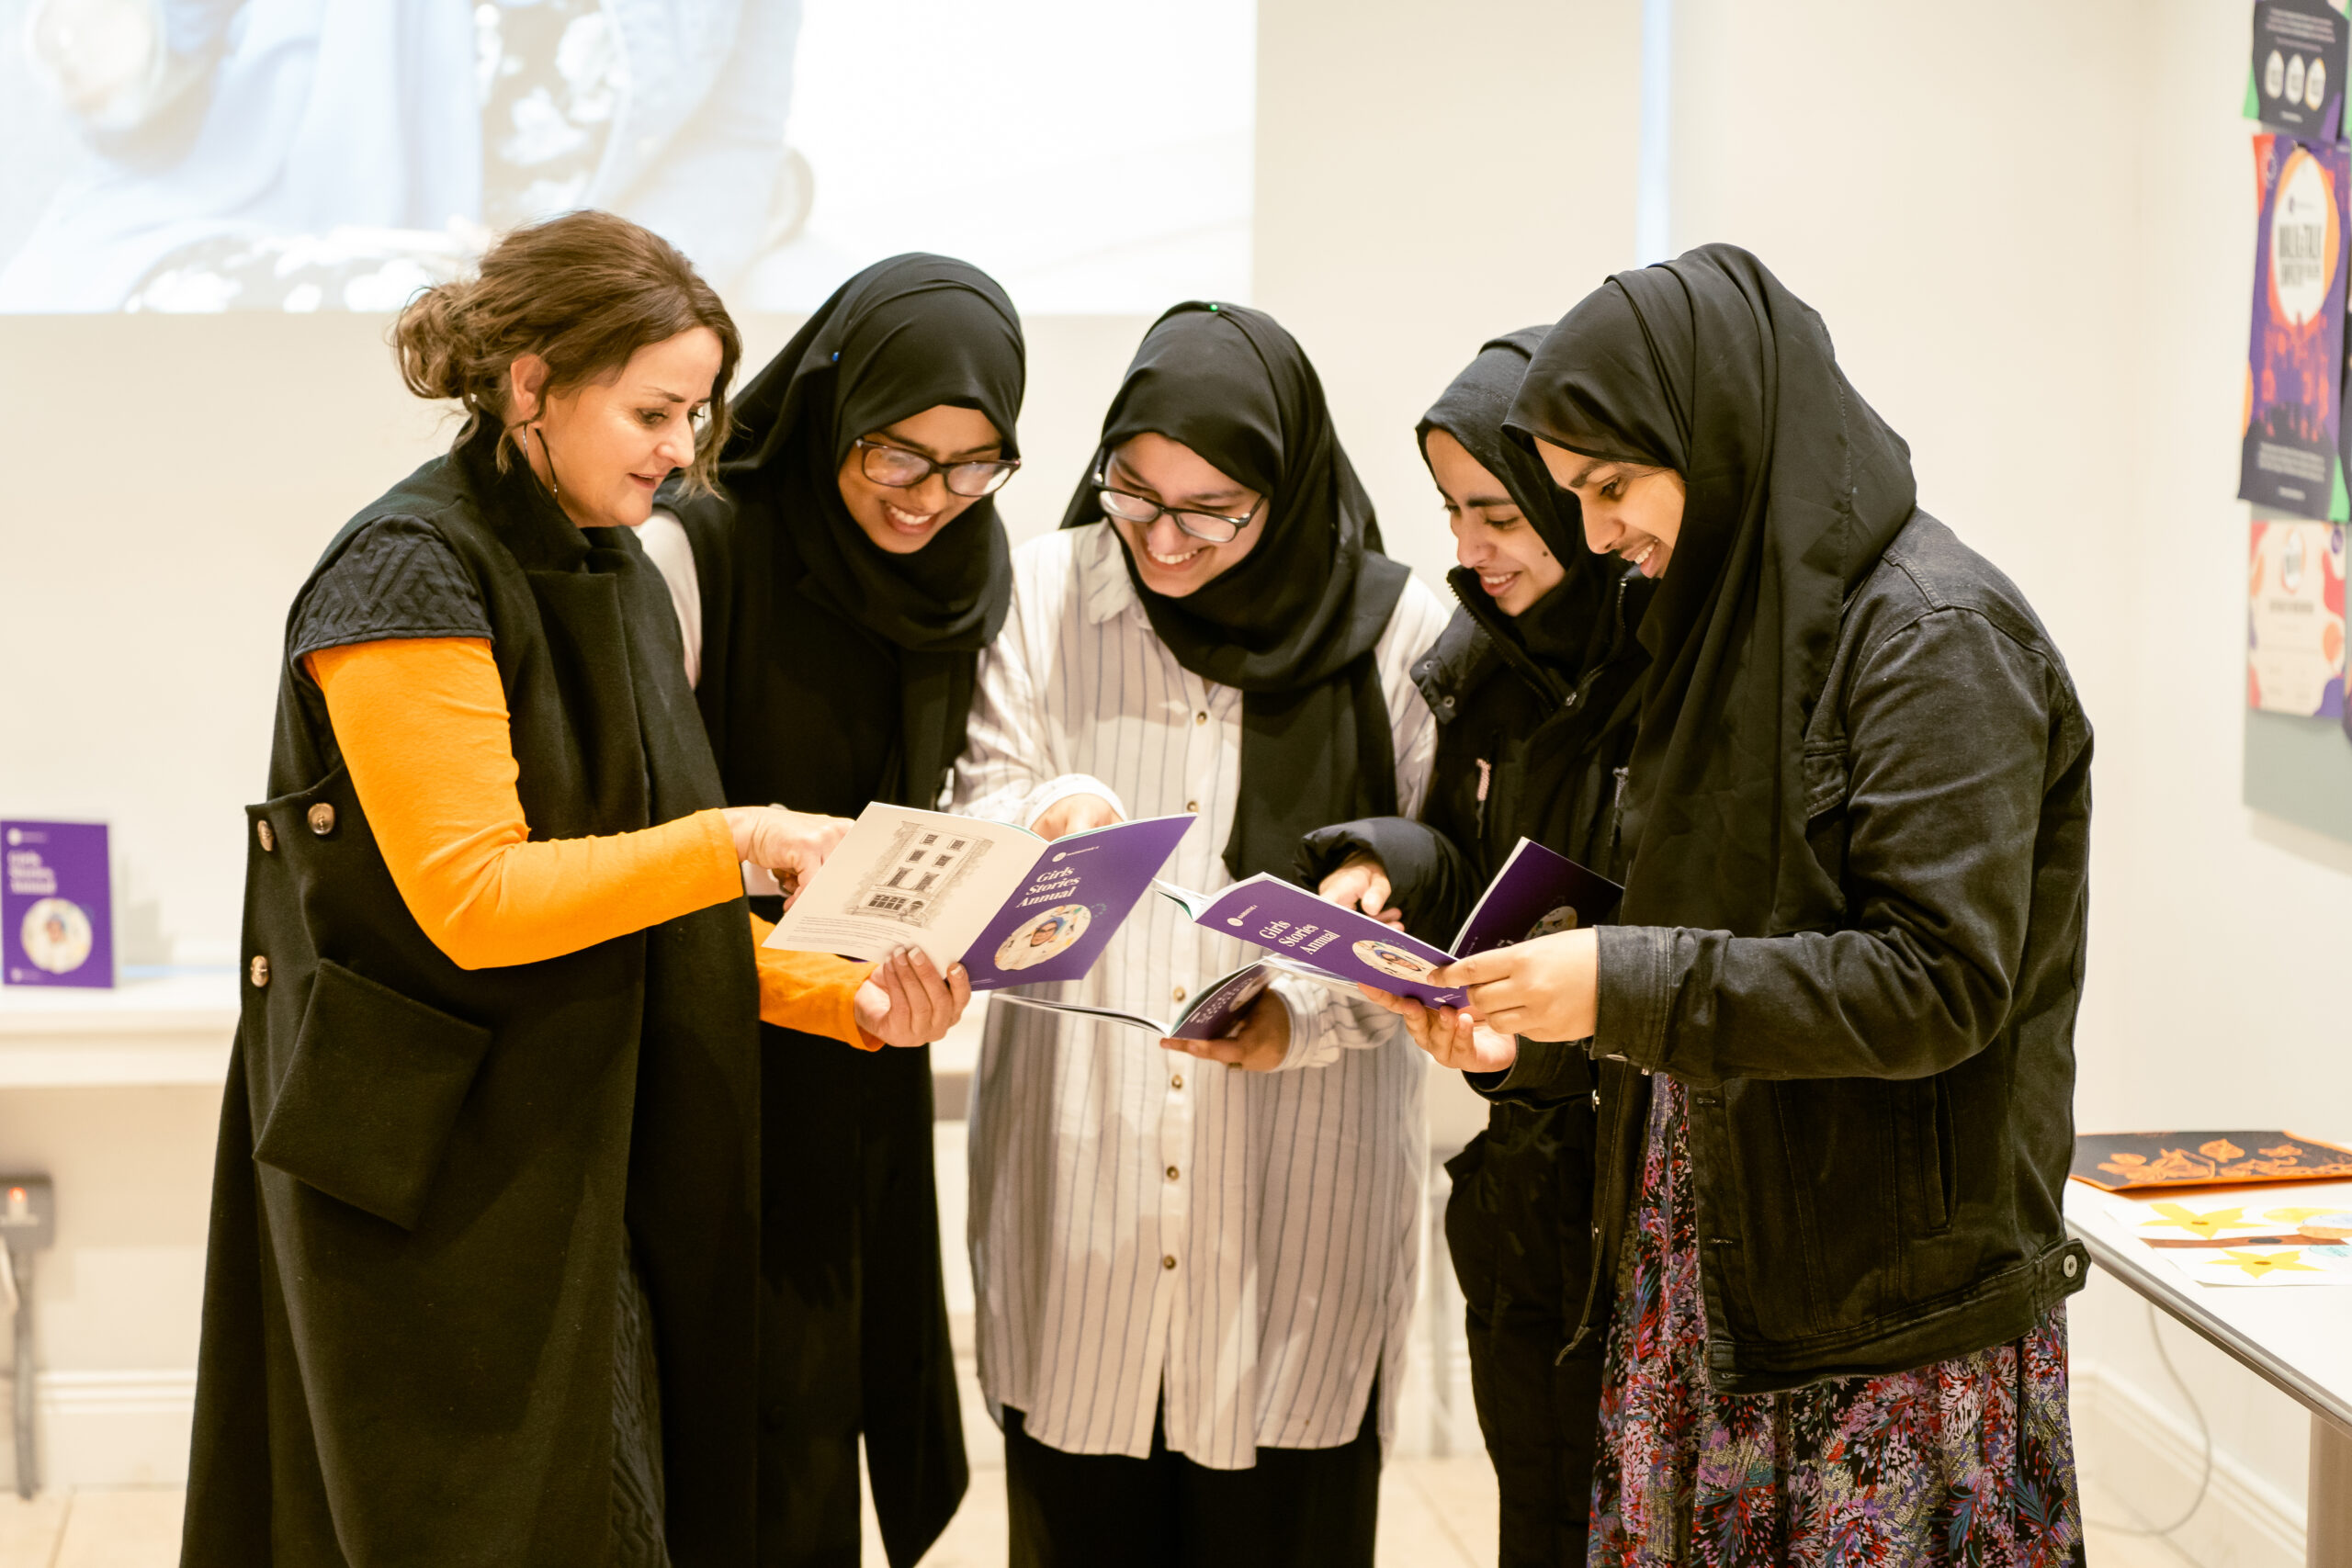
point(902, 519)
point(1629, 510)
point(1491, 536)
point(604, 447)
point(1168, 560)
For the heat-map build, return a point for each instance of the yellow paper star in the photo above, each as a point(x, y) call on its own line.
point(2202, 1225)
point(2258, 1264)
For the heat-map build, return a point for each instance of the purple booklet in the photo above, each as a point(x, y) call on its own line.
point(1535, 894)
point(56, 905)
point(1012, 907)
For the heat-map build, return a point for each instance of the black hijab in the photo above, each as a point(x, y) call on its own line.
point(904, 336)
point(1294, 624)
point(1709, 366)
point(1558, 631)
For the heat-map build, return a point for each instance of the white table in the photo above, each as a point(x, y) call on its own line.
point(2298, 1341)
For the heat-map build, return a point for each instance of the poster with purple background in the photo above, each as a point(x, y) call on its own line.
point(2290, 461)
point(56, 905)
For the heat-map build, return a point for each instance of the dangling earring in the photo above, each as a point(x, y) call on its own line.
point(549, 452)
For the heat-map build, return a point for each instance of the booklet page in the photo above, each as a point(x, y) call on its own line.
point(905, 878)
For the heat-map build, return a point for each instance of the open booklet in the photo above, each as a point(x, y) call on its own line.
point(1535, 894)
point(1010, 905)
point(1212, 1015)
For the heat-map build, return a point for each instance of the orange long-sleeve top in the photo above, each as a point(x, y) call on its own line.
point(424, 729)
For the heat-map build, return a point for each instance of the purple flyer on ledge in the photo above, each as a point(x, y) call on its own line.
point(56, 905)
point(1073, 901)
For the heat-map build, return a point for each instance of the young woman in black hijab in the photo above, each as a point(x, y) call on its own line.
point(1195, 1280)
point(1836, 1026)
point(847, 584)
point(1536, 684)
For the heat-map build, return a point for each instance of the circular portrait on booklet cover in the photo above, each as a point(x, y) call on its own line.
point(1048, 936)
point(56, 935)
point(1563, 919)
point(1392, 960)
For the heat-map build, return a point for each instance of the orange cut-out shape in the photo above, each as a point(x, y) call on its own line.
point(2179, 1164)
point(2220, 1148)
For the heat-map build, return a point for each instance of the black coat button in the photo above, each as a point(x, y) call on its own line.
point(266, 833)
point(259, 970)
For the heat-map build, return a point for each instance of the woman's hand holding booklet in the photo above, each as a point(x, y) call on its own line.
point(1009, 905)
point(1536, 895)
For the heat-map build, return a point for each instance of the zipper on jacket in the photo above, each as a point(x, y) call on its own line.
point(1617, 809)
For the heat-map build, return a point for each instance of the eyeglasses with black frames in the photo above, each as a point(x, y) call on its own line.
point(1209, 526)
point(903, 470)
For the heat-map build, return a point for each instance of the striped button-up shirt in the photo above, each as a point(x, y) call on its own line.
point(1148, 1225)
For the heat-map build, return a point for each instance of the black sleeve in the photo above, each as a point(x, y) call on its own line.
point(1949, 726)
point(1546, 1073)
point(1430, 881)
point(396, 578)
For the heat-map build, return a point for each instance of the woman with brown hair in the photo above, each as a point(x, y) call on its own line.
point(484, 1235)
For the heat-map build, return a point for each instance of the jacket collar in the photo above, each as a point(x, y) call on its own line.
point(517, 507)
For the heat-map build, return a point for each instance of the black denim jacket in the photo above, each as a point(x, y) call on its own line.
point(1880, 1109)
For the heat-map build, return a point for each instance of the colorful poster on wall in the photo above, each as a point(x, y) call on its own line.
point(56, 905)
point(2290, 461)
point(2294, 651)
point(2299, 67)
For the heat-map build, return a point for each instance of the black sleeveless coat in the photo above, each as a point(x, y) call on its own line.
point(424, 1172)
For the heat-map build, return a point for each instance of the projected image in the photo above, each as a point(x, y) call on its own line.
point(201, 155)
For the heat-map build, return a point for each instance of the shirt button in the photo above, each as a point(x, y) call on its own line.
point(1172, 1175)
point(1192, 805)
point(1179, 993)
point(1168, 1261)
point(1201, 718)
point(1176, 1082)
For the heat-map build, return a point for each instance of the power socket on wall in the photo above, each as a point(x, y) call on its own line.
point(27, 1213)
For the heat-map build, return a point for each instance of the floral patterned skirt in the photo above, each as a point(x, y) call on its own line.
point(1969, 1461)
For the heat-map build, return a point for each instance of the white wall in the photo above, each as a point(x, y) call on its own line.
point(2030, 228)
point(1428, 178)
point(178, 477)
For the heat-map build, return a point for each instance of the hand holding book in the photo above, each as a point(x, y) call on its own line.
point(1450, 1036)
point(791, 844)
point(1362, 883)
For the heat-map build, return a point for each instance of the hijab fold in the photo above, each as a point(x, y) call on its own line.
point(1295, 624)
point(906, 334)
point(1556, 632)
point(1709, 366)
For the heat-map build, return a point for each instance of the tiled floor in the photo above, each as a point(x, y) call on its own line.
point(1434, 1513)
